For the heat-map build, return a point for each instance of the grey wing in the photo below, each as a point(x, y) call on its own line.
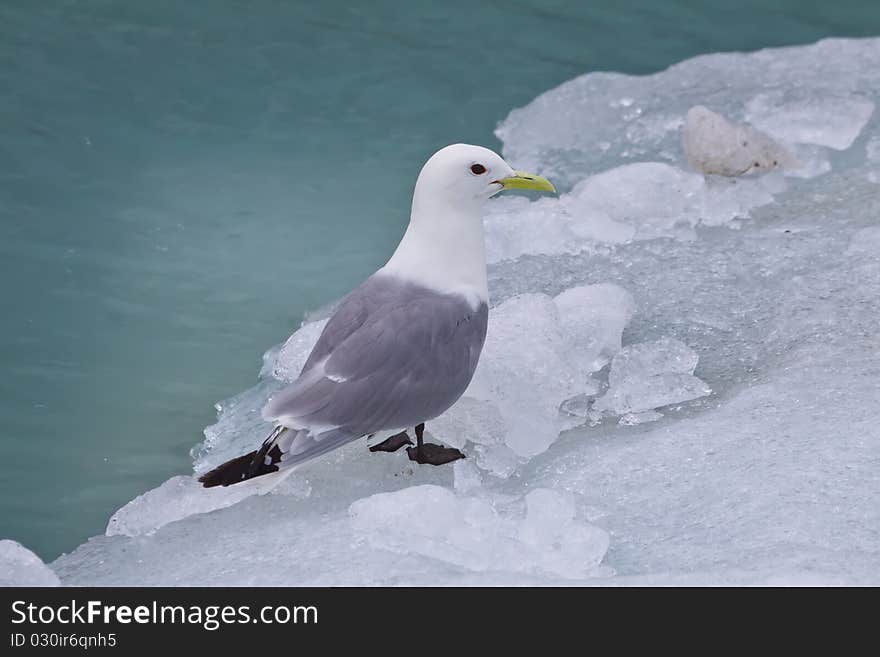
point(348, 317)
point(374, 294)
point(407, 362)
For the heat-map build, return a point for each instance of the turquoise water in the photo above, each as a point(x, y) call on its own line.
point(180, 182)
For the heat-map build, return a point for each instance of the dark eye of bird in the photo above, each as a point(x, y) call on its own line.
point(478, 169)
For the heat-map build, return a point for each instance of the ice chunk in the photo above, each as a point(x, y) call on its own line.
point(515, 227)
point(474, 533)
point(295, 351)
point(642, 394)
point(650, 358)
point(539, 352)
point(525, 372)
point(180, 497)
point(649, 375)
point(499, 459)
point(712, 144)
point(592, 319)
point(471, 420)
point(21, 567)
point(640, 201)
point(654, 197)
point(467, 476)
point(801, 116)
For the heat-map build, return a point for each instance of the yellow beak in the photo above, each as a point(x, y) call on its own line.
point(525, 180)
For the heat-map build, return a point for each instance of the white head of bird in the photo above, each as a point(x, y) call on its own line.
point(443, 247)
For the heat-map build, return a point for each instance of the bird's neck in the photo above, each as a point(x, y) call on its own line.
point(444, 250)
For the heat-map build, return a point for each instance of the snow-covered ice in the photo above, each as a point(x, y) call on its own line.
point(184, 496)
point(473, 533)
point(680, 383)
point(865, 243)
point(823, 94)
point(21, 567)
point(872, 151)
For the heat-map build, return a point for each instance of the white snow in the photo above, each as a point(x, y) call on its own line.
point(642, 287)
point(21, 567)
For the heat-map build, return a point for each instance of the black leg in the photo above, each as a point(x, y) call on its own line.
point(393, 443)
point(429, 453)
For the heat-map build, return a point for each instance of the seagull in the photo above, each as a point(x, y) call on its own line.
point(402, 347)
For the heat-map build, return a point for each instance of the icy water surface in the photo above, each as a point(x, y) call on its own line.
point(180, 182)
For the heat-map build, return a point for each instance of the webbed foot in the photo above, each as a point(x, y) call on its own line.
point(431, 454)
point(393, 443)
